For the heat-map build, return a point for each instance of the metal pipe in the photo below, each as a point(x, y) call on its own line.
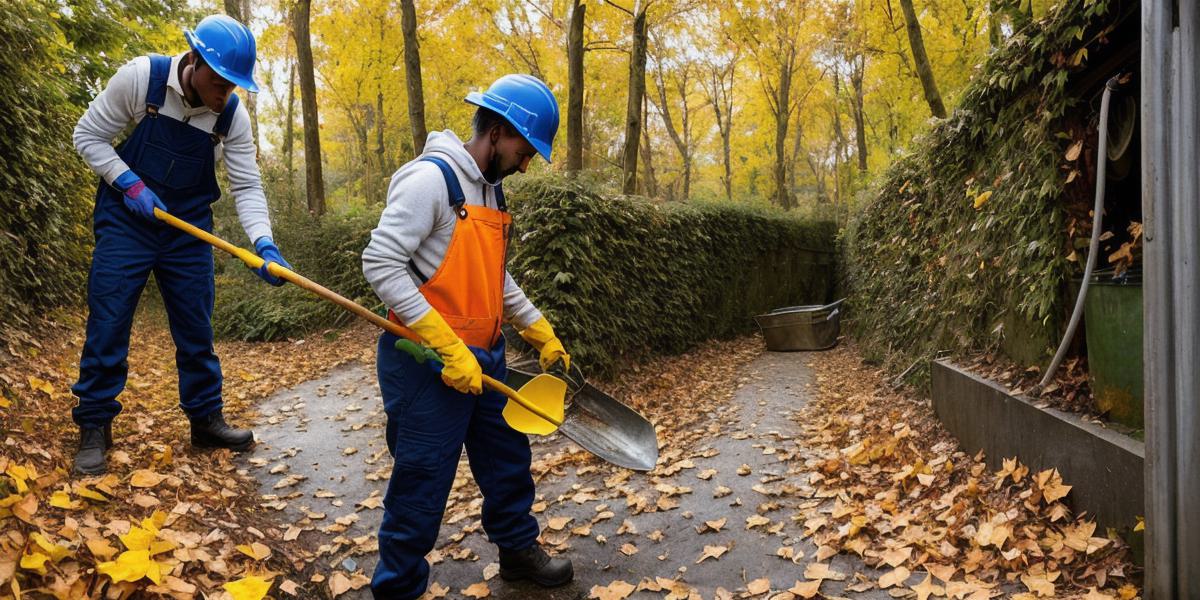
point(1094, 246)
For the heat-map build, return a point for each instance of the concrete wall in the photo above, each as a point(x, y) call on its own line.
point(1104, 468)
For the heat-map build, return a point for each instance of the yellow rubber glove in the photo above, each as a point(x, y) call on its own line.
point(541, 336)
point(460, 368)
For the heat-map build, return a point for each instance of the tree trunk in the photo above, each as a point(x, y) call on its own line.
point(650, 182)
point(924, 69)
point(575, 88)
point(839, 137)
point(783, 115)
point(633, 108)
point(860, 120)
point(412, 73)
point(289, 135)
point(682, 142)
point(308, 103)
point(240, 10)
point(380, 148)
point(720, 98)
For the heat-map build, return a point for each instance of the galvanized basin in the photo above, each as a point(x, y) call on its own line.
point(791, 328)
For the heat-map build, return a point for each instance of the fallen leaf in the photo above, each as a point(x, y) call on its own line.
point(477, 590)
point(896, 577)
point(758, 586)
point(617, 590)
point(806, 589)
point(713, 552)
point(249, 588)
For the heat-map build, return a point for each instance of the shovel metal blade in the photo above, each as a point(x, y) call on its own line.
point(605, 427)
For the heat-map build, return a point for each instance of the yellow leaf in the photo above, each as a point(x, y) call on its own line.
point(85, 492)
point(137, 539)
point(42, 386)
point(249, 588)
point(1074, 150)
point(62, 499)
point(5, 402)
point(256, 551)
point(35, 561)
point(56, 551)
point(1079, 56)
point(132, 565)
point(981, 199)
point(19, 476)
point(145, 478)
point(1141, 524)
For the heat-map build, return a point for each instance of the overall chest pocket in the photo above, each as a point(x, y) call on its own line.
point(171, 169)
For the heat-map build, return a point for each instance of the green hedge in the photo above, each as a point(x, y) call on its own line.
point(621, 279)
point(45, 190)
point(963, 246)
point(327, 250)
point(54, 56)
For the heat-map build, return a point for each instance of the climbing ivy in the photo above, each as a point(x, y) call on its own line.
point(964, 241)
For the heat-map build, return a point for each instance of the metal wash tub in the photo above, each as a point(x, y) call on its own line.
point(812, 327)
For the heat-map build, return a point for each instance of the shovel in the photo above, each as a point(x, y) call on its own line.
point(538, 408)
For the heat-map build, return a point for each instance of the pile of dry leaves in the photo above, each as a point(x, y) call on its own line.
point(887, 483)
point(165, 519)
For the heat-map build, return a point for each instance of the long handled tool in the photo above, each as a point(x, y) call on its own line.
point(600, 425)
point(539, 409)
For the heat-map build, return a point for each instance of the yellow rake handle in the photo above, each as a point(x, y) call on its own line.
point(255, 261)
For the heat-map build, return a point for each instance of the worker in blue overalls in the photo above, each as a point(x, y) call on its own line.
point(438, 260)
point(187, 117)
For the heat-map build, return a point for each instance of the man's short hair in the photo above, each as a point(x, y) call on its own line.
point(485, 119)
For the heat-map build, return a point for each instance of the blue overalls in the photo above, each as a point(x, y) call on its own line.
point(176, 161)
point(428, 423)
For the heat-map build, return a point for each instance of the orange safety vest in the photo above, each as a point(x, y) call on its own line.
point(468, 287)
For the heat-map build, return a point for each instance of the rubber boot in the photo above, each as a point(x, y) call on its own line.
point(211, 431)
point(535, 565)
point(94, 442)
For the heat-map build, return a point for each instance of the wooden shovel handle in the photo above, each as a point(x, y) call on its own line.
point(255, 261)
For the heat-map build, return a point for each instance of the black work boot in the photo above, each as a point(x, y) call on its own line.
point(535, 565)
point(211, 431)
point(93, 443)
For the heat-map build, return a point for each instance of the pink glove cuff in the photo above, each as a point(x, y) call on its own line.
point(135, 190)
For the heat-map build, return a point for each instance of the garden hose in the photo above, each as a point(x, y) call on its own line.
point(1093, 247)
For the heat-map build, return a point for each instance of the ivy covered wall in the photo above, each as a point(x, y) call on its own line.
point(965, 244)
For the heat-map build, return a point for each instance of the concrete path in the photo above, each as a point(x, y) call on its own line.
point(733, 492)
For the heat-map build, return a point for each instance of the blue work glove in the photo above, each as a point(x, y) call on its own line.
point(266, 248)
point(139, 199)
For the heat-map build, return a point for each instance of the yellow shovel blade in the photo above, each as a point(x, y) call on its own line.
point(546, 392)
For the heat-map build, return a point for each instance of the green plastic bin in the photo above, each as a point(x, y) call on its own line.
point(1112, 315)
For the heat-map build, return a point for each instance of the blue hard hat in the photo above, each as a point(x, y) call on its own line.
point(227, 46)
point(527, 104)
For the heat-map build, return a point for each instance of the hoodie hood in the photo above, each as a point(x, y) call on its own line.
point(447, 145)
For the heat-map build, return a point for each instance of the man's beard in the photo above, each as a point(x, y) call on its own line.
point(493, 173)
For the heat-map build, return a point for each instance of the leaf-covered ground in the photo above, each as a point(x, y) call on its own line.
point(781, 476)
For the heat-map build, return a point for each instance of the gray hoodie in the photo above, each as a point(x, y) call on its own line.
point(418, 224)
